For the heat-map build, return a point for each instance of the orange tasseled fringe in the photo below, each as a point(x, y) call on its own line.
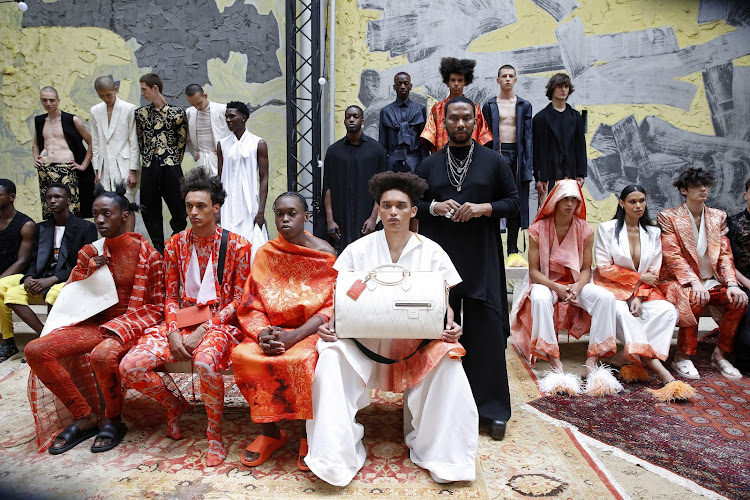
point(673, 391)
point(633, 373)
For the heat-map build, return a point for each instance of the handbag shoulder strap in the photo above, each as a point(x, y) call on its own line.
point(388, 361)
point(222, 255)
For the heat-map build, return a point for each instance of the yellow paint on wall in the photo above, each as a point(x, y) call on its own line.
point(353, 56)
point(86, 52)
point(534, 27)
point(31, 58)
point(228, 82)
point(616, 16)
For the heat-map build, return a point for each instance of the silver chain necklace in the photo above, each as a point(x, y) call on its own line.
point(457, 169)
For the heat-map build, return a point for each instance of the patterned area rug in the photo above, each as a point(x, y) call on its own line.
point(535, 459)
point(706, 440)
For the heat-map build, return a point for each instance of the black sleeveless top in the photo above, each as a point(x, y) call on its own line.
point(11, 238)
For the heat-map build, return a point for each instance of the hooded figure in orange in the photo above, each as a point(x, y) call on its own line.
point(557, 294)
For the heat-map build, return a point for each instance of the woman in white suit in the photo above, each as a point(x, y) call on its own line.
point(628, 259)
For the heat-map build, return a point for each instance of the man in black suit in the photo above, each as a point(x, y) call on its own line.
point(56, 245)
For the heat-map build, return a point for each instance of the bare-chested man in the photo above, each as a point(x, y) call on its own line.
point(509, 118)
point(60, 154)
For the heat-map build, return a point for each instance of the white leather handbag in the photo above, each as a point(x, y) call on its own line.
point(390, 302)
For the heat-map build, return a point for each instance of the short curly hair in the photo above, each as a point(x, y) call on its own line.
point(200, 180)
point(557, 80)
point(694, 177)
point(239, 106)
point(410, 184)
point(450, 65)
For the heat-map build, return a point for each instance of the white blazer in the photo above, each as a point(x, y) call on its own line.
point(615, 249)
point(114, 142)
point(218, 125)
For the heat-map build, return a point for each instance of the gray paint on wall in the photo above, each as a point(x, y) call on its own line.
point(741, 96)
point(176, 38)
point(734, 12)
point(639, 67)
point(717, 81)
point(669, 150)
point(417, 29)
point(559, 9)
point(573, 47)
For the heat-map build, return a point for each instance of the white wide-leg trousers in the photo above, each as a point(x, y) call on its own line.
point(440, 419)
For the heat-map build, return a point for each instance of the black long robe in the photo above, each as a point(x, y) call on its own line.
point(346, 171)
point(476, 250)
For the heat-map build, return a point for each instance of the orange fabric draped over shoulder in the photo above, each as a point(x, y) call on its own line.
point(288, 285)
point(434, 132)
point(558, 261)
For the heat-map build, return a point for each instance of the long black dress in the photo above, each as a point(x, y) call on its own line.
point(476, 250)
point(347, 169)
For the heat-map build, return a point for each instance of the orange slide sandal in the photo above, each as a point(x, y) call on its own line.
point(265, 446)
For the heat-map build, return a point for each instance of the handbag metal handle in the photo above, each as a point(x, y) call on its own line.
point(404, 274)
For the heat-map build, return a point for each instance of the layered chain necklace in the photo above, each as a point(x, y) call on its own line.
point(457, 169)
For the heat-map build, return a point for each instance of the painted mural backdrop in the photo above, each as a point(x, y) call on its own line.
point(235, 50)
point(665, 84)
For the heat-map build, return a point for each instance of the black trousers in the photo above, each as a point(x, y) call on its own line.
point(741, 346)
point(513, 223)
point(485, 342)
point(159, 182)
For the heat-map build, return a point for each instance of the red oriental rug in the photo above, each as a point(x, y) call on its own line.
point(706, 440)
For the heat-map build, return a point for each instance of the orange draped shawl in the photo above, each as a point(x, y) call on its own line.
point(434, 132)
point(558, 261)
point(288, 285)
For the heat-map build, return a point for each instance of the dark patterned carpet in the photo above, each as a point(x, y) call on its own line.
point(706, 440)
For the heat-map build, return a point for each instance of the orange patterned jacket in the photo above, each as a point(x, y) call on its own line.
point(680, 262)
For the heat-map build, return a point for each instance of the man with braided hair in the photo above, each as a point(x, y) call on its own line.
point(457, 75)
point(69, 353)
point(205, 267)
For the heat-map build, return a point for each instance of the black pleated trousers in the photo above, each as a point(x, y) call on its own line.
point(159, 182)
point(485, 343)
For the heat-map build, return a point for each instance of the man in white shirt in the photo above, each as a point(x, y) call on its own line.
point(116, 157)
point(206, 127)
point(440, 417)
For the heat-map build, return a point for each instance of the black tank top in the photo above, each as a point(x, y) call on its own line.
point(10, 241)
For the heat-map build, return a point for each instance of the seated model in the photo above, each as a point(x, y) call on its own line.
point(628, 260)
point(441, 421)
point(59, 358)
point(557, 294)
point(288, 296)
point(57, 241)
point(195, 275)
point(698, 271)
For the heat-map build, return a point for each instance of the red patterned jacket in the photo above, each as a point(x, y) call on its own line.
point(177, 252)
point(146, 305)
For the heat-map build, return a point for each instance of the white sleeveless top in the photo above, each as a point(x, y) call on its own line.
point(239, 176)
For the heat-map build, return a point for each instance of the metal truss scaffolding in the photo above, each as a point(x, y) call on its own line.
point(303, 103)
